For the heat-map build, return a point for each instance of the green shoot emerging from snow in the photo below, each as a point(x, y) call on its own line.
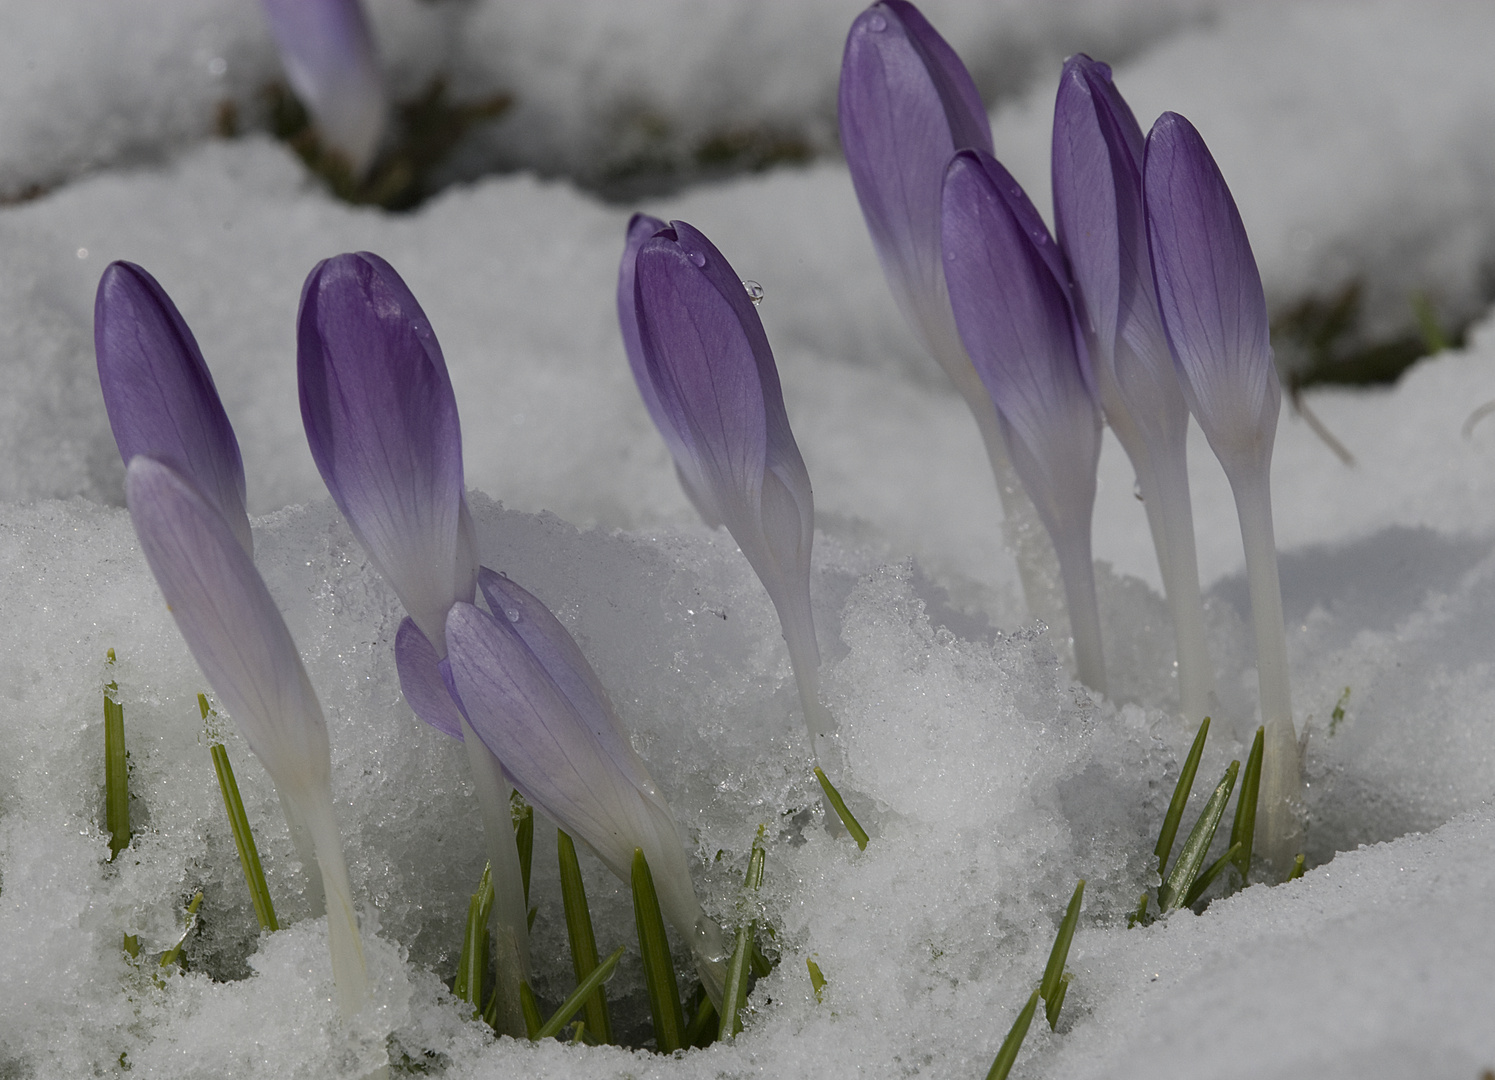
point(579, 930)
point(238, 823)
point(853, 826)
point(734, 996)
point(116, 771)
point(659, 968)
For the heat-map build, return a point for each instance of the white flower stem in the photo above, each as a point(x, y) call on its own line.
point(349, 974)
point(510, 920)
point(1280, 806)
point(1179, 562)
point(1078, 572)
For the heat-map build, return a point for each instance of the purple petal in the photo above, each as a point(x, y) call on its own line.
point(231, 624)
point(159, 394)
point(1014, 316)
point(555, 760)
point(1210, 293)
point(906, 104)
point(328, 54)
point(381, 419)
point(718, 387)
point(421, 681)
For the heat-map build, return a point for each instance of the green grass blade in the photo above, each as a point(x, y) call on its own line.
point(702, 1029)
point(1243, 831)
point(817, 980)
point(1191, 859)
point(530, 1009)
point(659, 968)
point(1299, 865)
point(1053, 974)
point(249, 855)
point(734, 994)
point(1202, 882)
point(1014, 1041)
point(853, 826)
point(474, 960)
point(584, 990)
point(1051, 1008)
point(524, 840)
point(579, 931)
point(116, 771)
point(1140, 915)
point(1181, 791)
point(173, 955)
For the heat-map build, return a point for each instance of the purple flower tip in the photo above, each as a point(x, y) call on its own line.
point(381, 419)
point(159, 394)
point(1210, 294)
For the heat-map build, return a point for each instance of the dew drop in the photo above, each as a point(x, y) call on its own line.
point(1137, 490)
point(512, 613)
point(697, 258)
point(754, 291)
point(877, 24)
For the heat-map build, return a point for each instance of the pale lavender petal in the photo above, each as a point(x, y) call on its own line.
point(421, 682)
point(329, 59)
point(381, 420)
point(1015, 319)
point(1210, 294)
point(159, 394)
point(232, 626)
point(906, 104)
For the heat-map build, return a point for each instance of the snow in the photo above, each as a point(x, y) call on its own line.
point(989, 781)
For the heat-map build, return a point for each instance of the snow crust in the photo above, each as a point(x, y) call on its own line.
point(989, 780)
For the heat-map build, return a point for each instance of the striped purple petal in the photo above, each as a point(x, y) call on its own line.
point(329, 59)
point(906, 104)
point(381, 420)
point(1210, 295)
point(159, 394)
point(421, 681)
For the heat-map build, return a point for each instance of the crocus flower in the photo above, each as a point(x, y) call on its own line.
point(722, 411)
point(531, 696)
point(1099, 222)
point(329, 59)
point(159, 394)
point(381, 420)
point(1011, 302)
point(906, 104)
point(240, 641)
point(1215, 315)
point(640, 228)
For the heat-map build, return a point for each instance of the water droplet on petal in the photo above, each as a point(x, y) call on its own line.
point(697, 258)
point(754, 291)
point(512, 614)
point(1137, 490)
point(877, 23)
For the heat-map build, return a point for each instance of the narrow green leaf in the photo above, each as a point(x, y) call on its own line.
point(473, 963)
point(853, 826)
point(1298, 867)
point(702, 1029)
point(1051, 1008)
point(1181, 791)
point(817, 980)
point(116, 771)
point(1243, 831)
point(1014, 1041)
point(530, 1009)
point(524, 840)
point(659, 968)
point(1053, 974)
point(131, 945)
point(1202, 882)
point(1172, 892)
point(173, 955)
point(734, 994)
point(238, 824)
point(579, 930)
point(1140, 915)
point(573, 1004)
point(578, 1033)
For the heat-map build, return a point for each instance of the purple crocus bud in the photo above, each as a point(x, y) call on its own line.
point(642, 227)
point(1011, 302)
point(240, 641)
point(159, 394)
point(328, 54)
point(531, 696)
point(1215, 315)
point(1100, 224)
point(381, 419)
point(710, 366)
